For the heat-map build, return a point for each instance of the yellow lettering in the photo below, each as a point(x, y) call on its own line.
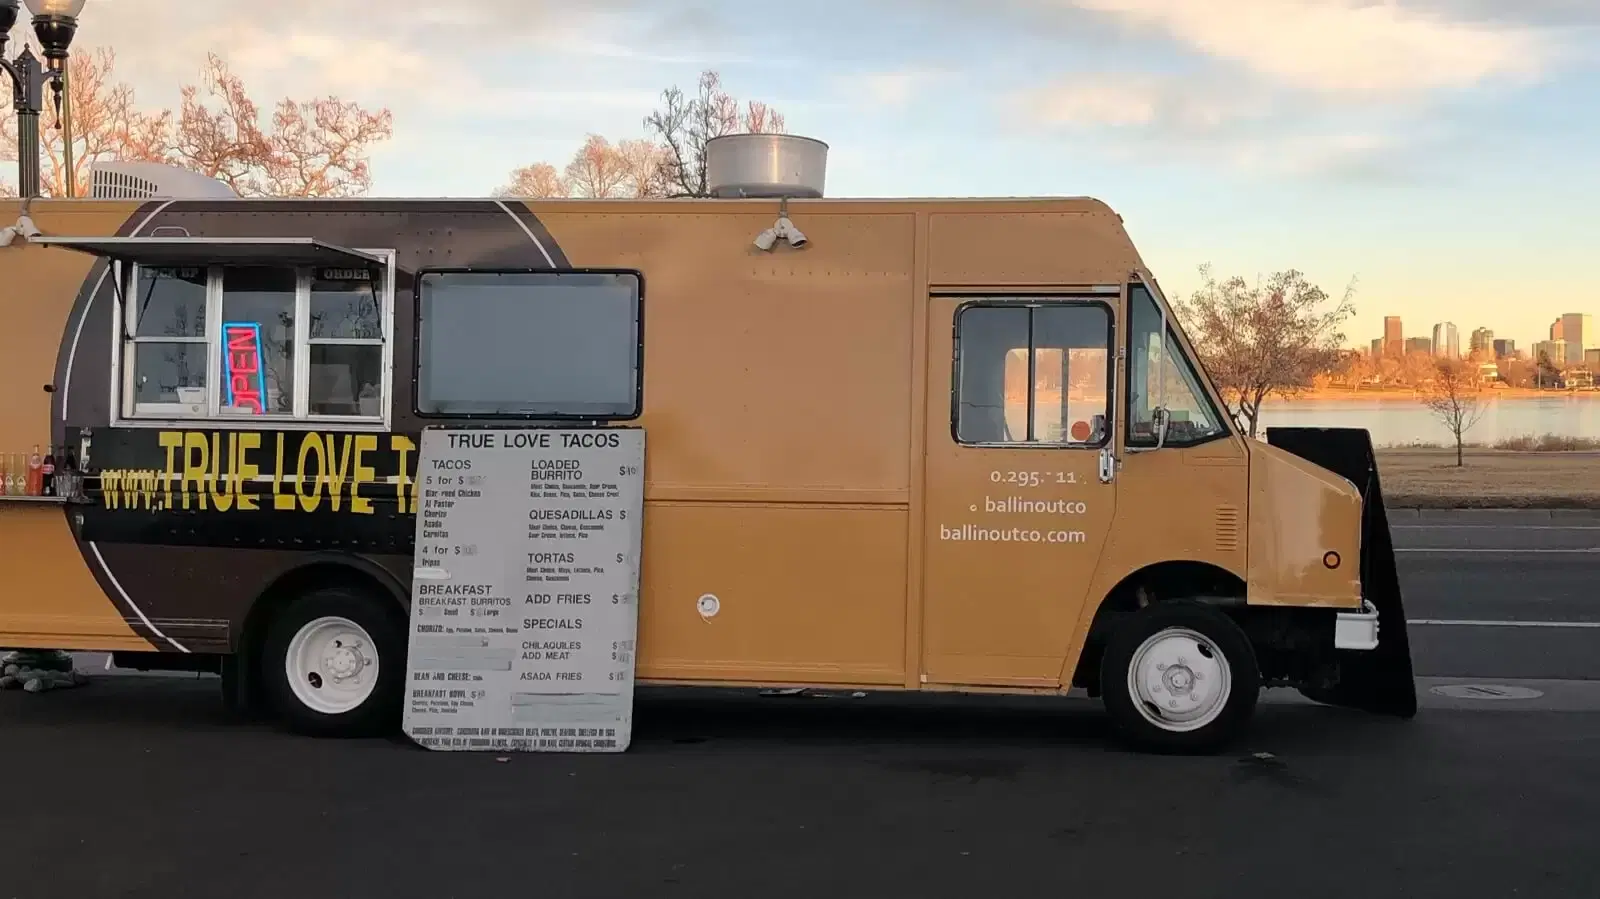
point(194, 471)
point(145, 488)
point(245, 471)
point(280, 500)
point(310, 501)
point(404, 446)
point(219, 480)
point(171, 440)
point(363, 474)
point(110, 488)
point(335, 476)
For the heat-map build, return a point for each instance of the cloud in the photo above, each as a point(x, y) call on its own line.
point(1137, 101)
point(1363, 47)
point(896, 88)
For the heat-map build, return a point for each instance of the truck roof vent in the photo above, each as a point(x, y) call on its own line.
point(145, 180)
point(765, 165)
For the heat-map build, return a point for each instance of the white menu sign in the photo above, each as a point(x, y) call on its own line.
point(524, 595)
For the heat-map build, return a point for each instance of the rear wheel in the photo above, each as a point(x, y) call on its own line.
point(1179, 677)
point(334, 663)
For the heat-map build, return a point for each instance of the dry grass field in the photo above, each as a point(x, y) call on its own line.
point(1491, 478)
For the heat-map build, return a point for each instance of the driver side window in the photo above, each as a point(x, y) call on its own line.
point(1157, 378)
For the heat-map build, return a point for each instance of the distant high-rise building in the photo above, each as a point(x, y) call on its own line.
point(1377, 347)
point(1504, 348)
point(1393, 336)
point(1419, 345)
point(1555, 330)
point(1482, 340)
point(1553, 350)
point(1577, 329)
point(1446, 341)
point(1591, 360)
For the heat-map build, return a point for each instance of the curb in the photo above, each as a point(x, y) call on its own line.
point(1507, 516)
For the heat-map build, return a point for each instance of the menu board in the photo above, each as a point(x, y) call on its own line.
point(524, 595)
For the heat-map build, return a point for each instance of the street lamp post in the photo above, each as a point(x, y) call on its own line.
point(54, 24)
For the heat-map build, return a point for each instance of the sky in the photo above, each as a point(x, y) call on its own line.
point(1441, 153)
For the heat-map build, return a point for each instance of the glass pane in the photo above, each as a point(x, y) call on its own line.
point(1157, 378)
point(1070, 364)
point(1067, 393)
point(170, 302)
point(162, 370)
point(989, 389)
point(344, 304)
point(258, 325)
point(528, 344)
point(345, 379)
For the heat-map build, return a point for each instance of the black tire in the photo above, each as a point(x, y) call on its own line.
point(377, 615)
point(1237, 655)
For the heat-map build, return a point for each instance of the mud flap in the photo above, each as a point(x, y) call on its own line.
point(1380, 680)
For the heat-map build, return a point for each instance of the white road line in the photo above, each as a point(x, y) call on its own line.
point(1494, 527)
point(1446, 549)
point(1465, 622)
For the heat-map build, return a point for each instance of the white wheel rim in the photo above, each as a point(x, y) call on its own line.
point(1179, 680)
point(332, 665)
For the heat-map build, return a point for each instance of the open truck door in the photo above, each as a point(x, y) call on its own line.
point(1379, 680)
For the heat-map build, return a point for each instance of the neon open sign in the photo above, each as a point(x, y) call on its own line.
point(247, 385)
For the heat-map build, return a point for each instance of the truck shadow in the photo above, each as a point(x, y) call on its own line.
point(678, 720)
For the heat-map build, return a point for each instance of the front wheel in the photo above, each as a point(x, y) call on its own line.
point(1179, 677)
point(334, 664)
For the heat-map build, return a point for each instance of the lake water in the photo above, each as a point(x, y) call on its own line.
point(1401, 421)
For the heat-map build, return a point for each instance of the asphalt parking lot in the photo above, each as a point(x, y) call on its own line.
point(141, 786)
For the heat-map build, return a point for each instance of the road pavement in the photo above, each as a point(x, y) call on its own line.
point(1501, 594)
point(143, 787)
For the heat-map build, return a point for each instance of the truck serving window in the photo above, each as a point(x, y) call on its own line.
point(271, 340)
point(1155, 379)
point(529, 344)
point(1033, 374)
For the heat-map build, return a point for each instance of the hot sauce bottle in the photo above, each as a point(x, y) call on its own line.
point(35, 472)
point(47, 473)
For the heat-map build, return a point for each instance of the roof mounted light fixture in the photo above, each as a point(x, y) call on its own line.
point(783, 230)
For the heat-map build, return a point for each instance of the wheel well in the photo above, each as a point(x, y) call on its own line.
point(352, 573)
point(1160, 582)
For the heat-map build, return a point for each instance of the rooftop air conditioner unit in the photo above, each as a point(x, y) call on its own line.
point(152, 180)
point(766, 165)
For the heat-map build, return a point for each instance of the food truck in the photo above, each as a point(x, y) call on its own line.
point(907, 444)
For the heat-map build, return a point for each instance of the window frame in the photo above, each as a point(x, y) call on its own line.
point(1176, 347)
point(416, 343)
point(1030, 302)
point(124, 331)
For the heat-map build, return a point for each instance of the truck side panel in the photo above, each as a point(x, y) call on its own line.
point(50, 597)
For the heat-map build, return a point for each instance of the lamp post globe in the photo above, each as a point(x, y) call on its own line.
point(8, 17)
point(54, 23)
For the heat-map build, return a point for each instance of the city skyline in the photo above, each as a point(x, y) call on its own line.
point(1582, 348)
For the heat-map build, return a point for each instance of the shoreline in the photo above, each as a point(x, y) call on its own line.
point(1415, 396)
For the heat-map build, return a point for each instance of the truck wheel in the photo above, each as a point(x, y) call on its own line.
point(1179, 677)
point(334, 664)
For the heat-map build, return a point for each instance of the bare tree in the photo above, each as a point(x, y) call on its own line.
point(641, 159)
point(1453, 396)
point(540, 180)
point(312, 148)
point(684, 125)
point(597, 170)
point(106, 125)
point(1264, 339)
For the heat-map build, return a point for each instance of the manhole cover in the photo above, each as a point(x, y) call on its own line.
point(1486, 691)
